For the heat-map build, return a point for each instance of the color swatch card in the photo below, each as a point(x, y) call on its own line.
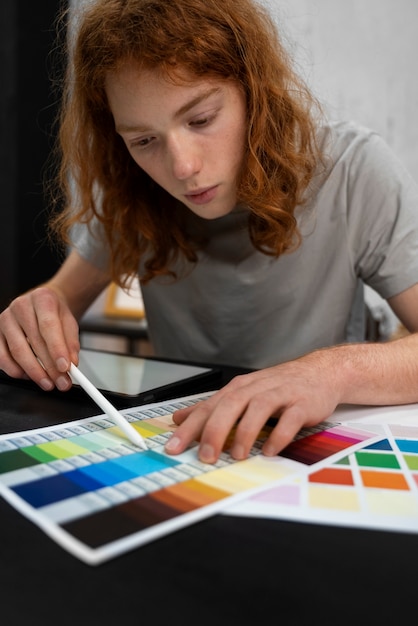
point(98, 496)
point(374, 485)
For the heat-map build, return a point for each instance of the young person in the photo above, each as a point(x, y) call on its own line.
point(194, 157)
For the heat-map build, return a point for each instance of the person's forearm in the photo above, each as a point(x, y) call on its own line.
point(79, 301)
point(373, 373)
point(78, 283)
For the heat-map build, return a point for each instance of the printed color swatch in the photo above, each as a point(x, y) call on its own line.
point(374, 486)
point(98, 495)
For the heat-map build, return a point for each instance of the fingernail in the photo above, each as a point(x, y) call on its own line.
point(173, 444)
point(269, 450)
point(237, 452)
point(206, 453)
point(62, 364)
point(46, 384)
point(62, 383)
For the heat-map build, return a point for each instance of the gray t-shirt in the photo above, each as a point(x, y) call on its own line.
point(238, 306)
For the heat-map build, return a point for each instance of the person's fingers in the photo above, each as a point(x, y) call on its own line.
point(259, 409)
point(292, 419)
point(33, 339)
point(211, 421)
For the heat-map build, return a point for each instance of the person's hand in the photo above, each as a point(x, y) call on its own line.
point(39, 339)
point(300, 393)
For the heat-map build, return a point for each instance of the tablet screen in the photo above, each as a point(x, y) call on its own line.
point(131, 375)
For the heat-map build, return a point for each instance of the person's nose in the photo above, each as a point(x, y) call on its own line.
point(184, 157)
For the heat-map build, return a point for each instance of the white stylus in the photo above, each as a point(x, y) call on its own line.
point(107, 407)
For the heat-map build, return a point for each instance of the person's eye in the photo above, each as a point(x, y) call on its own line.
point(141, 143)
point(202, 120)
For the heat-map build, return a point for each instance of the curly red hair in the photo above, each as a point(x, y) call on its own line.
point(227, 39)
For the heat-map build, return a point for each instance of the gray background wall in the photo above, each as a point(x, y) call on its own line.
point(360, 58)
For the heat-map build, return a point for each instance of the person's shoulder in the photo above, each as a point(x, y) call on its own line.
point(344, 132)
point(351, 141)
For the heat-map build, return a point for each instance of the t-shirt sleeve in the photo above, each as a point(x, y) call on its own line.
point(89, 241)
point(382, 216)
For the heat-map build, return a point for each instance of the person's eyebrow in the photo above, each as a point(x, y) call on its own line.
point(199, 98)
point(126, 128)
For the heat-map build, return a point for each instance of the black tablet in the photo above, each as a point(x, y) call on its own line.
point(146, 379)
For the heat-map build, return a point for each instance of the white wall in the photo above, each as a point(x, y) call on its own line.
point(360, 59)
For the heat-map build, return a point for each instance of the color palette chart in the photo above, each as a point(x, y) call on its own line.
point(97, 495)
point(372, 486)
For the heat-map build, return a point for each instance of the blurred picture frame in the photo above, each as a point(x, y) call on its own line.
point(121, 303)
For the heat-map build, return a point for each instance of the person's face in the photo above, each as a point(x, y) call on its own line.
point(188, 138)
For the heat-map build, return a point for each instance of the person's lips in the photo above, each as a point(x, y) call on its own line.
point(202, 196)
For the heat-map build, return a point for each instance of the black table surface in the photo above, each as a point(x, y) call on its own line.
point(223, 570)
